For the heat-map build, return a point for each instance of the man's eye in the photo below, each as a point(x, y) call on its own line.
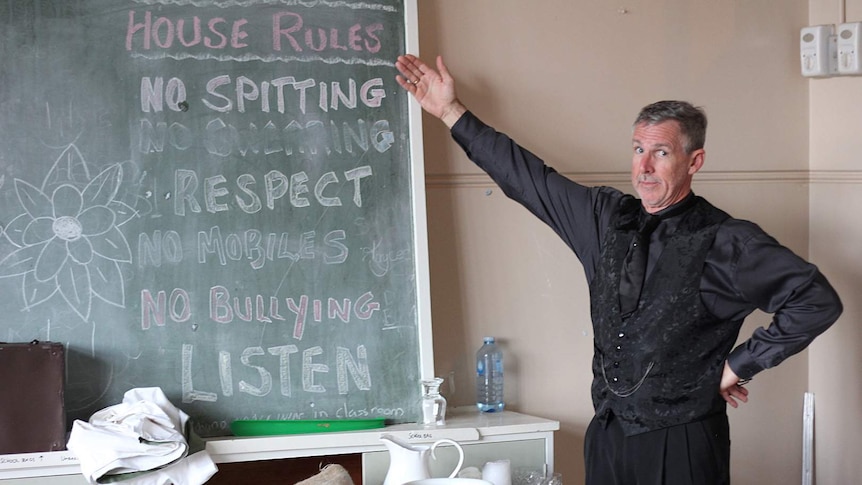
point(662, 153)
point(639, 150)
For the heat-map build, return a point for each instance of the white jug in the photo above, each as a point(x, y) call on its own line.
point(411, 462)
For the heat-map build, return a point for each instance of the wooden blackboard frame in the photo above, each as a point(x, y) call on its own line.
point(420, 233)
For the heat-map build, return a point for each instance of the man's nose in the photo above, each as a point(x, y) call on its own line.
point(644, 163)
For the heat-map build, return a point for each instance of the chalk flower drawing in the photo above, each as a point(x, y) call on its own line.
point(68, 239)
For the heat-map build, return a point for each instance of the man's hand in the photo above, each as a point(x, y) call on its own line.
point(434, 90)
point(730, 389)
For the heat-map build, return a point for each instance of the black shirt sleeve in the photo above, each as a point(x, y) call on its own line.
point(575, 212)
point(747, 269)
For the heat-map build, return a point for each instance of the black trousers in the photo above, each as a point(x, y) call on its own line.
point(696, 453)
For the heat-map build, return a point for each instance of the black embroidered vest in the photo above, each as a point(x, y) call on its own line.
point(662, 366)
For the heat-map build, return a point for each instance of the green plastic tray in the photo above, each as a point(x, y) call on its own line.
point(268, 428)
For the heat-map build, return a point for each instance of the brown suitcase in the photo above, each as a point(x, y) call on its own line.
point(32, 383)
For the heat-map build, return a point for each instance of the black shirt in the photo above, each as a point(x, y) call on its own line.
point(746, 269)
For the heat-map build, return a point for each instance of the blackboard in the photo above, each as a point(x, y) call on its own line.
point(221, 198)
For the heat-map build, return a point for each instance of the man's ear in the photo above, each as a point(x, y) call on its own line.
point(696, 160)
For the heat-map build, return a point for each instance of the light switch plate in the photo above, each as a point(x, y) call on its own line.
point(849, 46)
point(817, 51)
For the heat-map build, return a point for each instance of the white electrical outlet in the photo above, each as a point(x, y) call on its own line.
point(817, 47)
point(849, 47)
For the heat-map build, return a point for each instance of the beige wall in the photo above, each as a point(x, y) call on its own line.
point(835, 361)
point(565, 78)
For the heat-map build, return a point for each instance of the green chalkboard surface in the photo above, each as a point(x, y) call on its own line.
point(218, 198)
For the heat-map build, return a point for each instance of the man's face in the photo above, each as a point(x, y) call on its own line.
point(661, 169)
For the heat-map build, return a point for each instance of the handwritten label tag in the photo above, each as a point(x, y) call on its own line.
point(35, 460)
point(431, 435)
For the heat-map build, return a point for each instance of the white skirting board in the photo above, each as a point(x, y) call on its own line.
point(808, 439)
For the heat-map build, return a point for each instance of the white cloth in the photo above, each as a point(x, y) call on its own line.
point(144, 433)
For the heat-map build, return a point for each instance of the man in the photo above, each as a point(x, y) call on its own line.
point(671, 280)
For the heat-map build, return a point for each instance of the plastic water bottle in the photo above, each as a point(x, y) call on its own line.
point(489, 377)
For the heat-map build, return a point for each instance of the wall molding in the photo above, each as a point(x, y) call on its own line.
point(837, 176)
point(481, 180)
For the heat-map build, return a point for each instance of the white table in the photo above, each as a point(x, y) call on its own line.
point(526, 440)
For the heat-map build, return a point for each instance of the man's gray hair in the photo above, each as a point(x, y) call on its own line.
point(691, 119)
